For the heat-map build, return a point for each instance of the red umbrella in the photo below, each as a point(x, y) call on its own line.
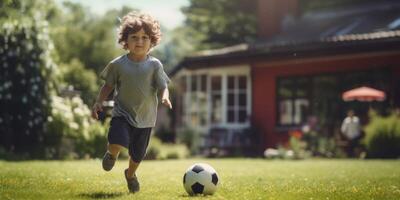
point(364, 94)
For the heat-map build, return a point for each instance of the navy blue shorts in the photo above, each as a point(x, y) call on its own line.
point(134, 139)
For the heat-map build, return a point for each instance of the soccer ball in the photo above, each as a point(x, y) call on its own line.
point(200, 178)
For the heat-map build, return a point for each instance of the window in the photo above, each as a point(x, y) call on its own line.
point(293, 100)
point(180, 105)
point(197, 103)
point(237, 99)
point(216, 98)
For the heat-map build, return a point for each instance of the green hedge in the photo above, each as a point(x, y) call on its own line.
point(71, 132)
point(382, 137)
point(160, 151)
point(34, 121)
point(25, 84)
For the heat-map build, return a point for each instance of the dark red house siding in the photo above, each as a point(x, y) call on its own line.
point(264, 75)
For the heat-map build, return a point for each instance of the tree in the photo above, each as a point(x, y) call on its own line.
point(222, 22)
point(175, 45)
point(85, 43)
point(229, 22)
point(81, 79)
point(26, 84)
point(28, 9)
point(89, 38)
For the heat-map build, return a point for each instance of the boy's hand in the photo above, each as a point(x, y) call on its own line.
point(96, 108)
point(166, 102)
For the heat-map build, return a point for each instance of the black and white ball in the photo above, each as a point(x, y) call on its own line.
point(200, 178)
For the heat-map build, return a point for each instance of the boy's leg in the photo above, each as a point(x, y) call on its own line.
point(114, 149)
point(138, 142)
point(132, 168)
point(118, 137)
point(130, 176)
point(111, 156)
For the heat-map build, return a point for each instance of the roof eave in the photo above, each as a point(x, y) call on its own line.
point(294, 51)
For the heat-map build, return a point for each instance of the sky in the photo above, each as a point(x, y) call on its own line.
point(166, 11)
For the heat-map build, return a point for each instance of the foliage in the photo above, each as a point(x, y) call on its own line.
point(222, 22)
point(26, 84)
point(298, 147)
point(382, 137)
point(190, 138)
point(17, 9)
point(79, 34)
point(160, 151)
point(71, 132)
point(239, 178)
point(84, 80)
point(321, 145)
point(228, 22)
point(175, 45)
point(310, 142)
point(35, 122)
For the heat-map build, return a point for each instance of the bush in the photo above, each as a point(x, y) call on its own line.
point(26, 83)
point(82, 79)
point(382, 138)
point(160, 151)
point(307, 143)
point(34, 122)
point(190, 138)
point(298, 147)
point(154, 149)
point(71, 132)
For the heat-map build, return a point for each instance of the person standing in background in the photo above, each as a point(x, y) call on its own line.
point(351, 129)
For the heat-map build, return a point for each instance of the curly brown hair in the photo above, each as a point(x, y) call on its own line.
point(133, 22)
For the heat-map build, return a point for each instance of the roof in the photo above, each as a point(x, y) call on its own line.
point(382, 16)
point(361, 28)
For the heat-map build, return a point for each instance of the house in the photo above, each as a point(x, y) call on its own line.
point(293, 75)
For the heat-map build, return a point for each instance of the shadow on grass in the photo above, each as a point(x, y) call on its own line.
point(194, 196)
point(102, 195)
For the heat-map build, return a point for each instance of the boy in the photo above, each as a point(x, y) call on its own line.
point(136, 78)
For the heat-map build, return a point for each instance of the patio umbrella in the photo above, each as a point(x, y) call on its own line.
point(364, 94)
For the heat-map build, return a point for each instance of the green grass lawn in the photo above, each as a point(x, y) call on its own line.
point(239, 179)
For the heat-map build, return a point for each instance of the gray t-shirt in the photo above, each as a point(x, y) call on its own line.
point(136, 85)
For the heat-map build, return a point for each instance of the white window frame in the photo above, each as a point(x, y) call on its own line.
point(224, 72)
point(236, 92)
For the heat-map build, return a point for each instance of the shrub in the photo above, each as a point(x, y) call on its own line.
point(382, 138)
point(154, 149)
point(71, 132)
point(190, 138)
point(308, 143)
point(160, 151)
point(82, 79)
point(174, 151)
point(298, 147)
point(26, 83)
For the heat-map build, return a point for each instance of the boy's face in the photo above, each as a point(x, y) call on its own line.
point(139, 43)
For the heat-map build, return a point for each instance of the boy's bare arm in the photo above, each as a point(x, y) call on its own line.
point(103, 94)
point(165, 98)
